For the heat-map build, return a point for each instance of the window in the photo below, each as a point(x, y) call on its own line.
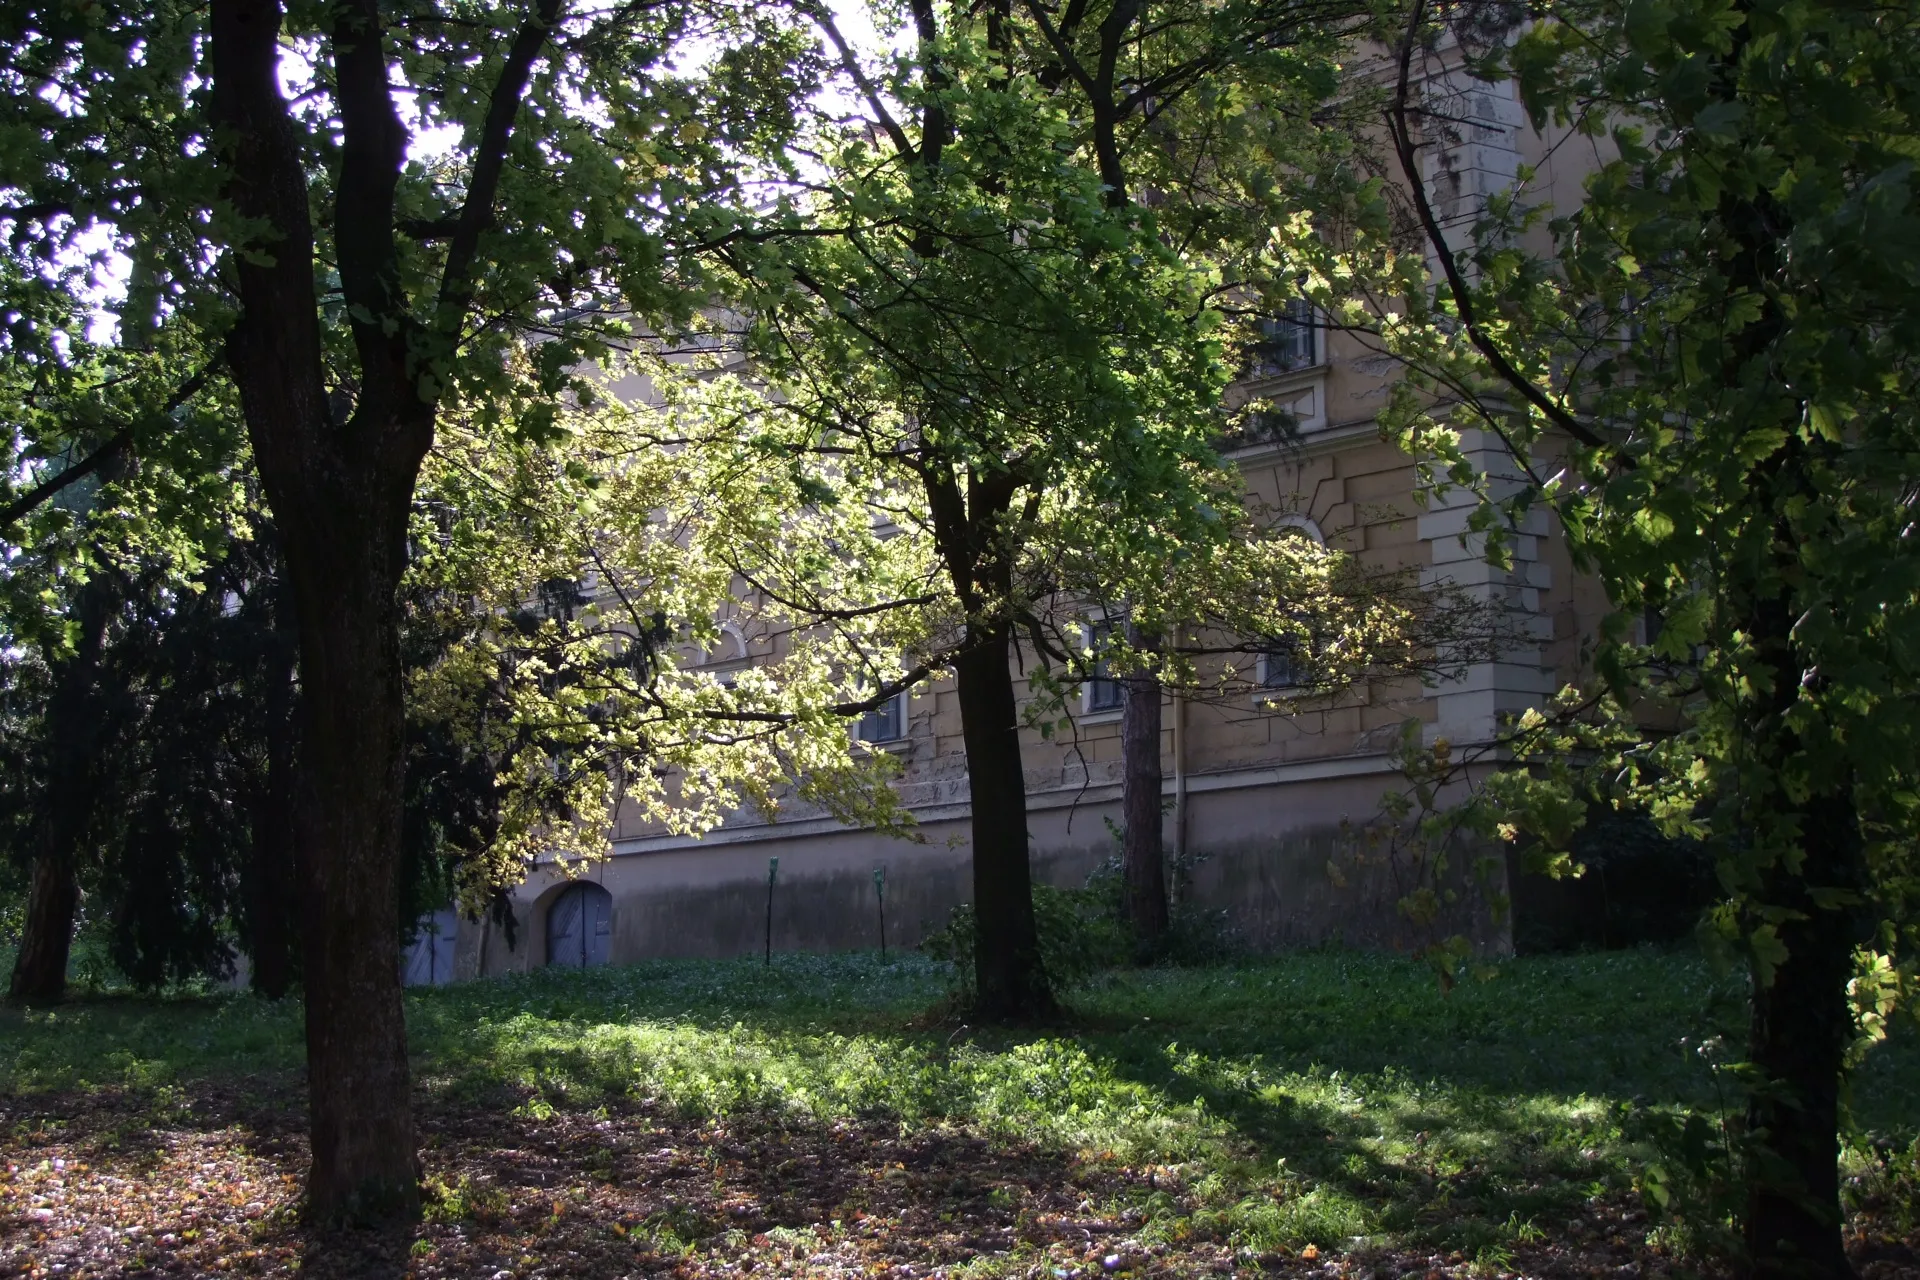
point(886, 722)
point(1281, 665)
point(1286, 342)
point(1102, 694)
point(1286, 660)
point(559, 598)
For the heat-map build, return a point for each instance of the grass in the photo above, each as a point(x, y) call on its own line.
point(1317, 1097)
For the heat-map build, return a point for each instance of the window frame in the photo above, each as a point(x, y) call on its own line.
point(895, 708)
point(1291, 652)
point(1302, 327)
point(1098, 629)
point(1298, 649)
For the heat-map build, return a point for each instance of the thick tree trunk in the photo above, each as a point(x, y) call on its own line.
point(339, 483)
point(1800, 1029)
point(1143, 857)
point(272, 876)
point(40, 967)
point(348, 852)
point(60, 827)
point(1010, 981)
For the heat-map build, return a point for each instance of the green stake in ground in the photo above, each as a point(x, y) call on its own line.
point(773, 871)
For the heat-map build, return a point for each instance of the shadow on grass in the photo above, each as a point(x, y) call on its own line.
point(605, 1191)
point(1425, 1165)
point(1314, 1096)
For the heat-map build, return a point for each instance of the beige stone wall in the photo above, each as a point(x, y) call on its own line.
point(1266, 837)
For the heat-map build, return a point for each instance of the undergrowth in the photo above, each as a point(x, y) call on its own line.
point(1319, 1096)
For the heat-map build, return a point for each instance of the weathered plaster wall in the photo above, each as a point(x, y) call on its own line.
point(1268, 840)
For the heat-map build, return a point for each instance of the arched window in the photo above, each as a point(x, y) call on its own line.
point(579, 926)
point(1286, 661)
point(1302, 526)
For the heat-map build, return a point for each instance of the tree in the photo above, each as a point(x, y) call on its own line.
point(1708, 380)
point(189, 863)
point(985, 210)
point(124, 472)
point(1142, 854)
point(355, 287)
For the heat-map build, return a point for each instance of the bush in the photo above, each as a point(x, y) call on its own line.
point(1195, 936)
point(1080, 936)
point(1085, 931)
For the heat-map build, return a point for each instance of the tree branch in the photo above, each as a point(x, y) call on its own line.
point(1408, 156)
point(372, 151)
point(868, 90)
point(115, 445)
point(935, 126)
point(456, 285)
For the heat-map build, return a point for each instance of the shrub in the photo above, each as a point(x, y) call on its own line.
point(1196, 936)
point(1080, 936)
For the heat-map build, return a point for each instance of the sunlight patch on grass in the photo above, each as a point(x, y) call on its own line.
point(1309, 1098)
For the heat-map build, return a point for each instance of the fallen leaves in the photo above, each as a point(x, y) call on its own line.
point(205, 1182)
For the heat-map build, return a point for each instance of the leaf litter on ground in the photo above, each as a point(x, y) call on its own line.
point(1314, 1115)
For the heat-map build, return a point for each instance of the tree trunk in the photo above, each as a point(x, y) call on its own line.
point(272, 876)
point(40, 968)
point(1142, 851)
point(339, 484)
point(65, 805)
point(1801, 1022)
point(1010, 981)
point(1808, 891)
point(1799, 1033)
point(347, 850)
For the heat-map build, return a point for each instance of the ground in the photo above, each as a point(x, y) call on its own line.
point(1326, 1114)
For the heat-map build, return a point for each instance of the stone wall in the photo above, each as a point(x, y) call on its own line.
point(1267, 846)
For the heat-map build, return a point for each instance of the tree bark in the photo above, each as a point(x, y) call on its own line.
point(65, 805)
point(46, 941)
point(1009, 980)
point(1143, 858)
point(347, 851)
point(1798, 1037)
point(1801, 1023)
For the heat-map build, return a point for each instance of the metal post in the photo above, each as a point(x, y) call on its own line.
point(773, 870)
point(880, 896)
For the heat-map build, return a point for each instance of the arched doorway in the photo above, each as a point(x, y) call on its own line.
point(579, 926)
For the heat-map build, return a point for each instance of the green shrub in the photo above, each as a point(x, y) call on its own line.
point(1080, 936)
point(1195, 936)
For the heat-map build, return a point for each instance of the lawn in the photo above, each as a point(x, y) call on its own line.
point(1326, 1112)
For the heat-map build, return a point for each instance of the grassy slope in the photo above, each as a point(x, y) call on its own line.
point(1315, 1096)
